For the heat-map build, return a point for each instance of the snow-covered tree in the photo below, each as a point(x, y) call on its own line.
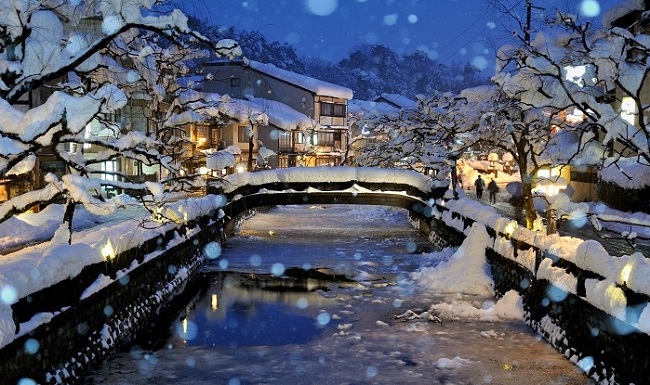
point(409, 139)
point(445, 125)
point(65, 66)
point(600, 73)
point(532, 136)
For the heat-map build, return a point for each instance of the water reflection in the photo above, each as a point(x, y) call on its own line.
point(253, 310)
point(350, 335)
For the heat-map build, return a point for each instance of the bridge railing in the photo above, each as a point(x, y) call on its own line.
point(331, 179)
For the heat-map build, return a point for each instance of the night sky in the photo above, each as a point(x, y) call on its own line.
point(448, 30)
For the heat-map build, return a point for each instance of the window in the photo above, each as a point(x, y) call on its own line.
point(299, 138)
point(284, 141)
point(332, 109)
point(325, 139)
point(235, 82)
point(215, 135)
point(584, 176)
point(327, 161)
point(109, 167)
point(242, 134)
point(114, 116)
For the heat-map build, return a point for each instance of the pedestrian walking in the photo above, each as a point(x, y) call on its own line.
point(479, 183)
point(493, 189)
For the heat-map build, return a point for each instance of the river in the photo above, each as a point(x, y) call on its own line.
point(322, 295)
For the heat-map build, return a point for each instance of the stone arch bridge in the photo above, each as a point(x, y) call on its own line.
point(329, 185)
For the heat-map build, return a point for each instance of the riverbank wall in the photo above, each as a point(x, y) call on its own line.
point(609, 349)
point(78, 331)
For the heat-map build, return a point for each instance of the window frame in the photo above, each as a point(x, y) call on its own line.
point(242, 134)
point(337, 110)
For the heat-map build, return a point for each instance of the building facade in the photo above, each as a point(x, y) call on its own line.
point(308, 122)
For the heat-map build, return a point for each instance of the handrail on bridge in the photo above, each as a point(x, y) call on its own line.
point(331, 179)
point(329, 185)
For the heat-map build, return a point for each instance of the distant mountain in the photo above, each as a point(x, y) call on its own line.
point(369, 70)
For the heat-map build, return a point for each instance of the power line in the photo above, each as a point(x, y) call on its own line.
point(475, 36)
point(465, 30)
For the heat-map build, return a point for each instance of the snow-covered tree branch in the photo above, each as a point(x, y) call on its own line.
point(87, 84)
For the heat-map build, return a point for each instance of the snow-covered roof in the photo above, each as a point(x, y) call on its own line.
point(283, 116)
point(258, 110)
point(316, 86)
point(366, 107)
point(237, 109)
point(398, 101)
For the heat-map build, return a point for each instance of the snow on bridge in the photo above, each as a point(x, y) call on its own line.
point(330, 185)
point(333, 176)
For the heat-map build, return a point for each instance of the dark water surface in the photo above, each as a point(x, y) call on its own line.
point(309, 295)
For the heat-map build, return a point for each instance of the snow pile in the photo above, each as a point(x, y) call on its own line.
point(466, 272)
point(452, 363)
point(35, 268)
point(606, 294)
point(331, 175)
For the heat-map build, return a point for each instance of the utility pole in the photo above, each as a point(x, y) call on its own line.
point(529, 7)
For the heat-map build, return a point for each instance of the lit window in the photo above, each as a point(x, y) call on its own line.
point(109, 168)
point(575, 74)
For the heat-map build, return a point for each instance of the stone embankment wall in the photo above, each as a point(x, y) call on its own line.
point(607, 349)
point(83, 332)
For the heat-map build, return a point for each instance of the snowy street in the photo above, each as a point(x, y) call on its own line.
point(377, 330)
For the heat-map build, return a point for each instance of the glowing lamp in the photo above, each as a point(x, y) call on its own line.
point(550, 187)
point(625, 273)
point(108, 251)
point(510, 228)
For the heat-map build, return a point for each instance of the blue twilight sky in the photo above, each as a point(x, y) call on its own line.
point(448, 30)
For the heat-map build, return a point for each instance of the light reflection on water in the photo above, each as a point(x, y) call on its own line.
point(360, 342)
point(232, 314)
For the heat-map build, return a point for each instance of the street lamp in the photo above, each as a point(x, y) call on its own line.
point(507, 159)
point(551, 187)
point(493, 158)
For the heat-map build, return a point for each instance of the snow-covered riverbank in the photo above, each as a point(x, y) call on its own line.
point(480, 341)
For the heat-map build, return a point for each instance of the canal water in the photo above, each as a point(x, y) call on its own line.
point(325, 295)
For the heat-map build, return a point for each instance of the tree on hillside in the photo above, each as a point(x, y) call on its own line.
point(85, 62)
point(254, 45)
point(419, 74)
point(371, 70)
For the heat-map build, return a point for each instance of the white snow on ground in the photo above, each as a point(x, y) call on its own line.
point(34, 268)
point(468, 262)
